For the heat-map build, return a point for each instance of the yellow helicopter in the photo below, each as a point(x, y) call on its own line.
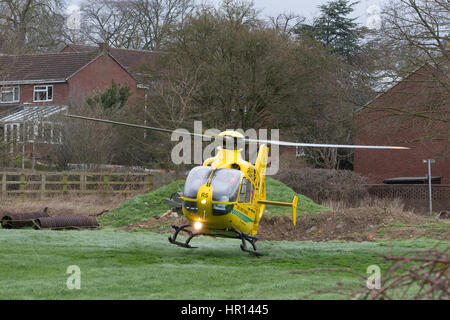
point(226, 196)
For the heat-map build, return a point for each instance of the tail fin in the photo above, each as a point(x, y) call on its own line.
point(294, 210)
point(261, 160)
point(261, 165)
point(293, 205)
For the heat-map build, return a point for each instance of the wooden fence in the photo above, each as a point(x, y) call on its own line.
point(41, 184)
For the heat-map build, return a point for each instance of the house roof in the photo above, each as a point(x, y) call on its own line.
point(58, 67)
point(55, 67)
point(444, 67)
point(127, 58)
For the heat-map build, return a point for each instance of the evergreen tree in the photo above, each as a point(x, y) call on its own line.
point(334, 28)
point(113, 97)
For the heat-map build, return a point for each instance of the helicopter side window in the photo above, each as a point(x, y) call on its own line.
point(197, 177)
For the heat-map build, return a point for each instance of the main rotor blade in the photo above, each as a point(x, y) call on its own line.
point(144, 127)
point(318, 145)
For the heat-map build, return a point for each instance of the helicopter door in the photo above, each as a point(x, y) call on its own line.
point(243, 191)
point(247, 191)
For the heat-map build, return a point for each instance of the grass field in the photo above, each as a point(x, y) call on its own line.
point(143, 265)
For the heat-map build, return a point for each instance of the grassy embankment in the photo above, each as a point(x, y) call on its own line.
point(144, 206)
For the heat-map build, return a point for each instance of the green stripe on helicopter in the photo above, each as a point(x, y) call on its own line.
point(241, 216)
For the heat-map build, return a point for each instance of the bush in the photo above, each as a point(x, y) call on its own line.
point(323, 184)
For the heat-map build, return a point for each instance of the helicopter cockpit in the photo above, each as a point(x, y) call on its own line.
point(225, 185)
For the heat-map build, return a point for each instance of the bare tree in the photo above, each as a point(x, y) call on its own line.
point(413, 32)
point(284, 22)
point(156, 20)
point(84, 142)
point(231, 69)
point(423, 25)
point(111, 22)
point(133, 24)
point(31, 25)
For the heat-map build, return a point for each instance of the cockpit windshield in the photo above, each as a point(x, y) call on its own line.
point(225, 184)
point(197, 177)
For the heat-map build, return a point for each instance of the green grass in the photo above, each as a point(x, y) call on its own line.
point(144, 206)
point(123, 265)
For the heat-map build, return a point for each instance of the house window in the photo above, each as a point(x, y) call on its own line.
point(43, 93)
point(9, 94)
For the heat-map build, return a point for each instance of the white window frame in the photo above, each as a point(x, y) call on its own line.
point(5, 90)
point(42, 90)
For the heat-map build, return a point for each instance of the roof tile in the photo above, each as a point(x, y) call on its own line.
point(58, 66)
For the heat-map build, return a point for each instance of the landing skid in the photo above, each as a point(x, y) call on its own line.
point(173, 239)
point(241, 235)
point(252, 239)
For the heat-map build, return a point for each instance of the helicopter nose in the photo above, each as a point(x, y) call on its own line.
point(204, 199)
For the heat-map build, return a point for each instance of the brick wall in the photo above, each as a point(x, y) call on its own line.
point(414, 196)
point(96, 77)
point(378, 127)
point(60, 91)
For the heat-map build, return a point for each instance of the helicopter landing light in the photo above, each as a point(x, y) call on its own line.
point(198, 225)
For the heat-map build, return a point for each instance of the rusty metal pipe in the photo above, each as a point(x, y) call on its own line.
point(20, 220)
point(74, 222)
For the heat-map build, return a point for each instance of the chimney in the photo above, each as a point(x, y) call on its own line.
point(103, 47)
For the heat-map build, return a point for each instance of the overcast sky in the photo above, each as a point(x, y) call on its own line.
point(306, 8)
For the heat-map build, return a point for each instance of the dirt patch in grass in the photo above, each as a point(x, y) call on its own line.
point(359, 224)
point(356, 224)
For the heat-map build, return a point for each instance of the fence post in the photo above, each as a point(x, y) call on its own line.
point(149, 181)
point(106, 184)
point(4, 184)
point(22, 186)
point(82, 182)
point(64, 179)
point(42, 191)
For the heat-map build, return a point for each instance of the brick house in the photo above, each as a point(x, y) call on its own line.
point(385, 121)
point(67, 77)
point(46, 83)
